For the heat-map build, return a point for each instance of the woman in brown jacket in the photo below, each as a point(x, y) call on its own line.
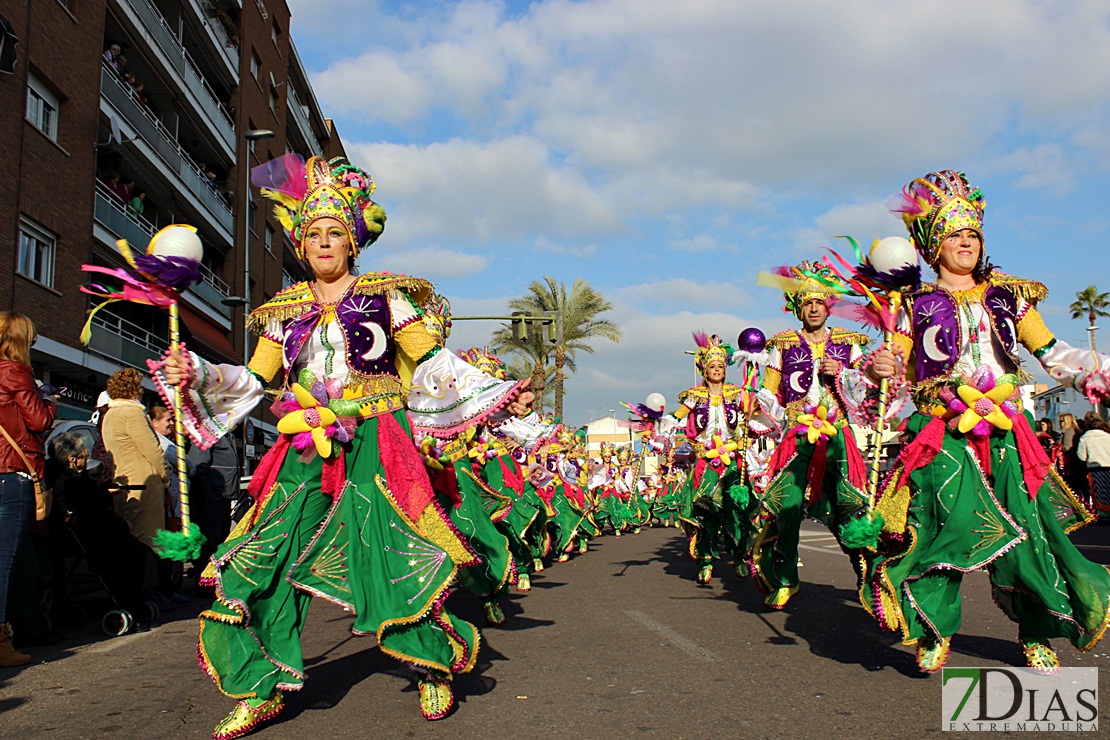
point(137, 455)
point(24, 414)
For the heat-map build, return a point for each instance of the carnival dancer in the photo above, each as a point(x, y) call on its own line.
point(565, 501)
point(344, 508)
point(491, 456)
point(538, 537)
point(972, 489)
point(601, 482)
point(621, 508)
point(573, 474)
point(817, 469)
point(717, 502)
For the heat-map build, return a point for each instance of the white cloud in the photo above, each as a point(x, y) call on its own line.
point(432, 263)
point(686, 292)
point(503, 189)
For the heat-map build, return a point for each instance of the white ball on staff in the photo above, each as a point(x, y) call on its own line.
point(892, 253)
point(177, 241)
point(656, 402)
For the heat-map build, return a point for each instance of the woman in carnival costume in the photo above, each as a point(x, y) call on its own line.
point(344, 508)
point(817, 469)
point(973, 489)
point(601, 481)
point(565, 501)
point(492, 460)
point(716, 500)
point(573, 475)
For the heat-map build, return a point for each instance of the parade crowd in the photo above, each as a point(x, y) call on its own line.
point(403, 466)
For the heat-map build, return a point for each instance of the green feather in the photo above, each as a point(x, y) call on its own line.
point(180, 546)
point(862, 533)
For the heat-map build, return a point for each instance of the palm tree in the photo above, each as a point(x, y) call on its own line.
point(1093, 304)
point(579, 310)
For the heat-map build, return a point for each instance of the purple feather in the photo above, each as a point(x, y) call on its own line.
point(178, 273)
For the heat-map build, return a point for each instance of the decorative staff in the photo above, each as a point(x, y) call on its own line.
point(170, 265)
point(751, 356)
point(889, 271)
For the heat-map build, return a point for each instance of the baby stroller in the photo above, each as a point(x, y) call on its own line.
point(102, 557)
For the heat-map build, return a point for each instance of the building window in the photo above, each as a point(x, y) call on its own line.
point(273, 100)
point(255, 65)
point(42, 108)
point(36, 252)
point(269, 239)
point(275, 34)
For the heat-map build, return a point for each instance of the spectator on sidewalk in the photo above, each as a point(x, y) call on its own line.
point(24, 414)
point(1094, 450)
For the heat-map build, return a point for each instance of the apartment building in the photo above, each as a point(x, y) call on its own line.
point(120, 117)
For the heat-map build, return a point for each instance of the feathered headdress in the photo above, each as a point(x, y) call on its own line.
point(804, 282)
point(485, 361)
point(307, 191)
point(937, 205)
point(710, 348)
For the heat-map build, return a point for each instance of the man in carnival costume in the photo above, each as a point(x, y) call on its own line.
point(973, 489)
point(601, 482)
point(344, 508)
point(717, 501)
point(817, 468)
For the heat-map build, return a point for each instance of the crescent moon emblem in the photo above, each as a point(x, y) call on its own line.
point(378, 345)
point(930, 346)
point(1013, 332)
point(794, 381)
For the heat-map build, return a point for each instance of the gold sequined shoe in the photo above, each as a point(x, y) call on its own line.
point(524, 582)
point(537, 565)
point(436, 698)
point(705, 575)
point(780, 597)
point(1041, 658)
point(583, 547)
point(931, 654)
point(494, 615)
point(245, 718)
point(742, 569)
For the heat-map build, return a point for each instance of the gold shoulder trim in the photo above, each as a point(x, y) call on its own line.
point(698, 391)
point(373, 283)
point(287, 304)
point(1029, 290)
point(784, 339)
point(847, 336)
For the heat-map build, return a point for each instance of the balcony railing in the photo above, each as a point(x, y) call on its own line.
point(220, 35)
point(165, 40)
point(121, 340)
point(112, 214)
point(300, 116)
point(154, 133)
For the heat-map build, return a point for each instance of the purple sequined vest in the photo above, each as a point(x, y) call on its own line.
point(798, 368)
point(365, 320)
point(936, 329)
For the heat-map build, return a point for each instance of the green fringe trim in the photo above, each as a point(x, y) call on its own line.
point(180, 546)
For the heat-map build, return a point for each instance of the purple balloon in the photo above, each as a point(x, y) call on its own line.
point(751, 340)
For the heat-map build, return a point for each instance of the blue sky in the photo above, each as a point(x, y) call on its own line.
point(668, 151)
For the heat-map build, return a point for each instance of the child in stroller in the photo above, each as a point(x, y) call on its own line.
point(118, 560)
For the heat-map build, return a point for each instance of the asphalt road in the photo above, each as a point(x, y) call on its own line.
point(618, 642)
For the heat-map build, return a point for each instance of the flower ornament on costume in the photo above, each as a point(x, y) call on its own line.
point(817, 422)
point(719, 452)
point(983, 403)
point(480, 451)
point(317, 413)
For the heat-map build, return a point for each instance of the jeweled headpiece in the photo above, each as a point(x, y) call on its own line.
point(485, 361)
point(812, 280)
point(710, 348)
point(308, 191)
point(936, 206)
point(437, 317)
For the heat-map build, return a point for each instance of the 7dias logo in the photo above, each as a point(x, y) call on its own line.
point(1018, 699)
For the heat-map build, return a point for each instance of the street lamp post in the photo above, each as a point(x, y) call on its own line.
point(251, 136)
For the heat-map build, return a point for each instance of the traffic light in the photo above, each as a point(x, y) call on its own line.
point(520, 327)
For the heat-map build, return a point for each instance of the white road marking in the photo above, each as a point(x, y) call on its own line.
point(684, 644)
